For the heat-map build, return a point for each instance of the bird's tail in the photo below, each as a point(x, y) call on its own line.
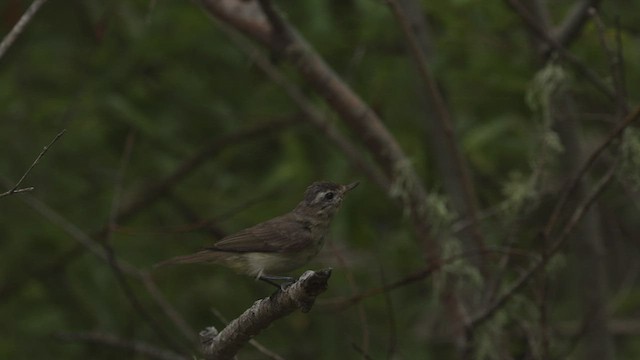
point(199, 257)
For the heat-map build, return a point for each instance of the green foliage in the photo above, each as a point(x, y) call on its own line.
point(162, 72)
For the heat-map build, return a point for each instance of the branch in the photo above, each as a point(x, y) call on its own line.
point(574, 21)
point(444, 121)
point(154, 191)
point(540, 264)
point(93, 246)
point(8, 40)
point(578, 65)
point(300, 295)
point(16, 189)
point(573, 184)
point(137, 347)
point(615, 58)
point(340, 304)
point(311, 112)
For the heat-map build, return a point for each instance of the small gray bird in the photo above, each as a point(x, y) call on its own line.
point(281, 244)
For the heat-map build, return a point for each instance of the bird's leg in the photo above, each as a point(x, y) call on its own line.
point(285, 280)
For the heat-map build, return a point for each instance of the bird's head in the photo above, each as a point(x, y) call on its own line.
point(323, 198)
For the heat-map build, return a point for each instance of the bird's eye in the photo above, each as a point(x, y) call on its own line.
point(328, 196)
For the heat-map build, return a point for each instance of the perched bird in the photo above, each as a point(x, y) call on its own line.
point(281, 244)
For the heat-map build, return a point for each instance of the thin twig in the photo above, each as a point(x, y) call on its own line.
point(310, 111)
point(572, 185)
point(15, 189)
point(8, 40)
point(577, 64)
point(553, 249)
point(615, 61)
point(131, 296)
point(95, 248)
point(153, 192)
point(444, 119)
point(137, 347)
point(346, 302)
point(362, 315)
point(620, 80)
point(392, 331)
point(361, 351)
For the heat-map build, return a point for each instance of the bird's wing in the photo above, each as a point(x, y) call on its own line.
point(280, 234)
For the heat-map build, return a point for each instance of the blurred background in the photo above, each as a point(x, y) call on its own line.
point(176, 136)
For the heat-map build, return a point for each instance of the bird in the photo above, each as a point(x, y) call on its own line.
point(281, 244)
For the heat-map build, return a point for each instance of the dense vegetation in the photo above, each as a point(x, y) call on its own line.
point(180, 130)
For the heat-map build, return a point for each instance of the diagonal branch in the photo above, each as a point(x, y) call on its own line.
point(300, 295)
point(540, 264)
point(8, 40)
point(574, 21)
point(137, 347)
point(565, 54)
point(311, 112)
point(16, 189)
point(572, 186)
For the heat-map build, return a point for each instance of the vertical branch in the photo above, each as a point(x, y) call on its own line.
point(111, 256)
point(615, 58)
point(451, 161)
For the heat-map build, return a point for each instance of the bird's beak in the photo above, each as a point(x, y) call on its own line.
point(351, 186)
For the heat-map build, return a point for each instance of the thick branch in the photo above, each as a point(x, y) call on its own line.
point(300, 295)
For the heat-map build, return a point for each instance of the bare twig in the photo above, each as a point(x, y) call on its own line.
point(577, 64)
point(8, 40)
point(167, 308)
point(620, 80)
point(342, 303)
point(445, 121)
point(614, 56)
point(131, 296)
point(362, 315)
point(16, 189)
point(95, 248)
point(153, 192)
point(574, 21)
point(361, 351)
point(137, 347)
point(538, 265)
point(310, 111)
point(300, 295)
point(393, 336)
point(573, 184)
